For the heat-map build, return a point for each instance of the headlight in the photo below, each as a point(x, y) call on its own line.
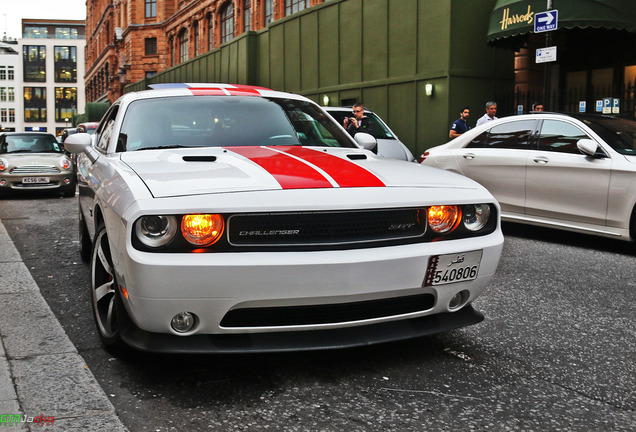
point(202, 229)
point(65, 163)
point(444, 218)
point(156, 231)
point(3, 164)
point(476, 216)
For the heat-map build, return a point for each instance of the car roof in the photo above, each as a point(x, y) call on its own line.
point(211, 89)
point(27, 133)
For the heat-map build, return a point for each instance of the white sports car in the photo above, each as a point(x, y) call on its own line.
point(222, 218)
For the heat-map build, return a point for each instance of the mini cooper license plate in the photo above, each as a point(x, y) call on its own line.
point(32, 180)
point(451, 268)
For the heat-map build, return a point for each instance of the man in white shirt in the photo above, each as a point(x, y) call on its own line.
point(491, 110)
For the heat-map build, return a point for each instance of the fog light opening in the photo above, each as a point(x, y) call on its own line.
point(183, 322)
point(3, 182)
point(67, 181)
point(458, 300)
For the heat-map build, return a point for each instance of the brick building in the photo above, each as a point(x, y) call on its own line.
point(129, 40)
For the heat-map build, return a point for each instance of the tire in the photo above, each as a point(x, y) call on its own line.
point(108, 310)
point(85, 244)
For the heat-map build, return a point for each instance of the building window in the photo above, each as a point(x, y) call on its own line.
point(34, 104)
point(10, 73)
point(269, 11)
point(7, 94)
point(195, 37)
point(247, 15)
point(150, 74)
point(3, 115)
point(34, 59)
point(65, 103)
point(65, 63)
point(210, 32)
point(11, 115)
point(65, 33)
point(31, 32)
point(3, 72)
point(227, 22)
point(151, 8)
point(151, 46)
point(183, 46)
point(293, 6)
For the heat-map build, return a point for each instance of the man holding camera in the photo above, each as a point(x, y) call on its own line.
point(359, 122)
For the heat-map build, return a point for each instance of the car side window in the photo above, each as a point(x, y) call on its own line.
point(560, 136)
point(511, 135)
point(106, 128)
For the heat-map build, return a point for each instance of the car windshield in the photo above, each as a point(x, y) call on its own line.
point(380, 131)
point(619, 133)
point(225, 121)
point(29, 143)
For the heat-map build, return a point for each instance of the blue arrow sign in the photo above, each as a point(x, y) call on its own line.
point(546, 21)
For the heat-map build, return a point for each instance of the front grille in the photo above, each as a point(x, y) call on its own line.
point(327, 314)
point(35, 169)
point(325, 228)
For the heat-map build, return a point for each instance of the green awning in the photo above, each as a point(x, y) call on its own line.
point(516, 17)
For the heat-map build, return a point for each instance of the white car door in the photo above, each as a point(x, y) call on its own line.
point(562, 183)
point(497, 159)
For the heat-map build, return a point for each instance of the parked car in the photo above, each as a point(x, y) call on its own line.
point(88, 127)
point(34, 161)
point(221, 218)
point(569, 171)
point(389, 145)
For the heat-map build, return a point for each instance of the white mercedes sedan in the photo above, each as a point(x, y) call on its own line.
point(223, 218)
point(575, 172)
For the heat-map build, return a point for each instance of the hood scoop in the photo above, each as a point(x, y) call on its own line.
point(199, 158)
point(357, 156)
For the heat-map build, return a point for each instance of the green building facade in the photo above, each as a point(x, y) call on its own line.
point(380, 52)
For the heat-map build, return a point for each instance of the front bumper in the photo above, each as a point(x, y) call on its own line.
point(301, 341)
point(212, 285)
point(62, 180)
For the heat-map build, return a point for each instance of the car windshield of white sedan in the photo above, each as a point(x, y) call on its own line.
point(619, 133)
point(226, 121)
point(29, 143)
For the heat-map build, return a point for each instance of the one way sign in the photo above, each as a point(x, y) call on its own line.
point(546, 21)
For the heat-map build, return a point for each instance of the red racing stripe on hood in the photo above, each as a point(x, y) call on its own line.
point(289, 172)
point(344, 172)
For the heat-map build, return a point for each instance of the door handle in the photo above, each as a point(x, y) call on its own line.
point(541, 160)
point(469, 156)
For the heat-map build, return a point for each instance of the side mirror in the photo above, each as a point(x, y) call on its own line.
point(365, 140)
point(81, 143)
point(588, 147)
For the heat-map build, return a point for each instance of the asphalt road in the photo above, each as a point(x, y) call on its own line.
point(557, 350)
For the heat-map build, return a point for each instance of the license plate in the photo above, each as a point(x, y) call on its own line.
point(451, 268)
point(36, 180)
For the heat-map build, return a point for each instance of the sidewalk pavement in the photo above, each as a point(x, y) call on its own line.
point(42, 376)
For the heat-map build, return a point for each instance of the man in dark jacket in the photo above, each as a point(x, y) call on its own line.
point(359, 122)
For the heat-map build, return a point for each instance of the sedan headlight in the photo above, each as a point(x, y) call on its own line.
point(476, 216)
point(65, 163)
point(156, 230)
point(3, 164)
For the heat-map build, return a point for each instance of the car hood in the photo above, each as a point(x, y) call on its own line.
point(181, 172)
point(18, 159)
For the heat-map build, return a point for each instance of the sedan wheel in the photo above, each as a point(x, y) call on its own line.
point(107, 307)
